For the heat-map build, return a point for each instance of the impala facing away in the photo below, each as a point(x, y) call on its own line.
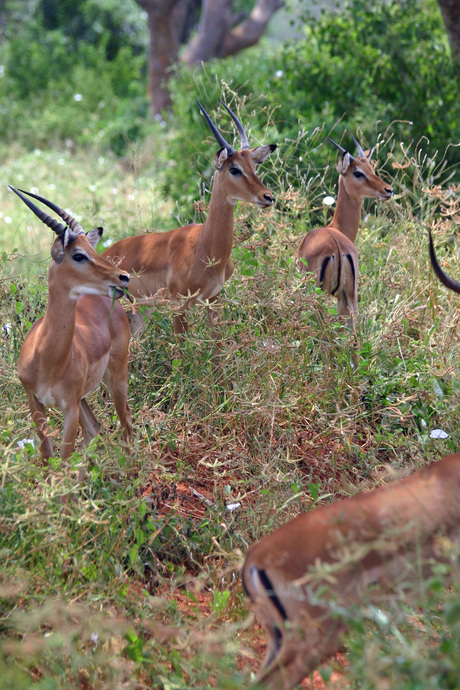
point(329, 252)
point(354, 552)
point(193, 262)
point(82, 338)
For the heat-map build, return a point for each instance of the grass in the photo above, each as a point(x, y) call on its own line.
point(135, 583)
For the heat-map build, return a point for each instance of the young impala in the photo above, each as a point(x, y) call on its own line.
point(82, 338)
point(302, 577)
point(193, 262)
point(330, 252)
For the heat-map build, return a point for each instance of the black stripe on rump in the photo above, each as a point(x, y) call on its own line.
point(272, 594)
point(323, 270)
point(339, 270)
point(352, 263)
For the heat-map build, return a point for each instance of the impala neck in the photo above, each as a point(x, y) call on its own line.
point(217, 232)
point(58, 324)
point(347, 213)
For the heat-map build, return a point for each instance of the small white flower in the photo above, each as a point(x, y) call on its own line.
point(279, 73)
point(131, 197)
point(69, 143)
point(114, 190)
point(423, 423)
point(92, 188)
point(22, 444)
point(233, 506)
point(7, 219)
point(438, 433)
point(77, 97)
point(6, 328)
point(328, 200)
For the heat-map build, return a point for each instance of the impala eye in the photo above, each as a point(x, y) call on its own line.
point(358, 173)
point(235, 171)
point(79, 257)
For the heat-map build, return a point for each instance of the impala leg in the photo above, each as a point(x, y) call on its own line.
point(290, 665)
point(88, 422)
point(180, 323)
point(119, 395)
point(69, 434)
point(137, 323)
point(39, 418)
point(349, 313)
point(213, 316)
point(116, 378)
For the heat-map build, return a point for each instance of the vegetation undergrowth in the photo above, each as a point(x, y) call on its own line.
point(132, 581)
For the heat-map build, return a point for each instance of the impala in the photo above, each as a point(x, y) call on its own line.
point(82, 338)
point(192, 263)
point(304, 575)
point(330, 252)
point(443, 277)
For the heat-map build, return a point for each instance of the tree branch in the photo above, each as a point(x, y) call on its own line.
point(217, 19)
point(250, 31)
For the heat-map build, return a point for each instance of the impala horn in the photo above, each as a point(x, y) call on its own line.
point(57, 227)
point(341, 149)
point(358, 146)
point(239, 126)
point(68, 220)
point(218, 136)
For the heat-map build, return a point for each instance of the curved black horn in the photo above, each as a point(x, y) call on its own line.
point(341, 149)
point(57, 227)
point(443, 277)
point(358, 146)
point(68, 220)
point(219, 138)
point(239, 126)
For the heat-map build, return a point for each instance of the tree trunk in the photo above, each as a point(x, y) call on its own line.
point(222, 33)
point(450, 10)
point(163, 50)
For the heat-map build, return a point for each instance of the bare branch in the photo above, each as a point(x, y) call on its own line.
point(217, 20)
point(249, 32)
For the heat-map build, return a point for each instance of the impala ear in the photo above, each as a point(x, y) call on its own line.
point(260, 153)
point(220, 158)
point(94, 236)
point(344, 163)
point(60, 243)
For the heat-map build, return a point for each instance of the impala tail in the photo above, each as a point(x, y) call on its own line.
point(443, 277)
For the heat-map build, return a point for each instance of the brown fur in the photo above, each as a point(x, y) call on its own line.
point(333, 246)
point(81, 340)
point(192, 263)
point(349, 553)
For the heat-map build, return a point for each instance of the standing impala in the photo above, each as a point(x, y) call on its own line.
point(193, 262)
point(330, 252)
point(303, 576)
point(82, 338)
